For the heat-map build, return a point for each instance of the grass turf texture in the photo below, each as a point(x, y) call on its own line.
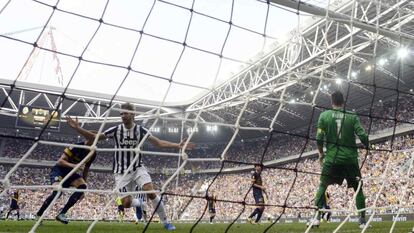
point(74, 227)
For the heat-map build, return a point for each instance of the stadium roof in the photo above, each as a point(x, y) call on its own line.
point(157, 30)
point(323, 54)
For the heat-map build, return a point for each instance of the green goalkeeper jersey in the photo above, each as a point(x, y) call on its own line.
point(337, 129)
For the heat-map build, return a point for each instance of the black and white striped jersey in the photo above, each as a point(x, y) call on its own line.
point(125, 139)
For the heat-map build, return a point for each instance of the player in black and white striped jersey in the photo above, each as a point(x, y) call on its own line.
point(127, 136)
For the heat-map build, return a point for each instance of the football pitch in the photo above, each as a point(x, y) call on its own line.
point(74, 227)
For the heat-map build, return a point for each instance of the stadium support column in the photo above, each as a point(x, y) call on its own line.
point(2, 143)
point(345, 19)
point(179, 159)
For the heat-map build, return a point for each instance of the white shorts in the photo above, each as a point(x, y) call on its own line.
point(133, 179)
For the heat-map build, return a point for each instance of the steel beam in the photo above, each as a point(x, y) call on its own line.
point(345, 19)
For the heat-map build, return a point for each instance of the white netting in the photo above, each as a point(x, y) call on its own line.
point(276, 96)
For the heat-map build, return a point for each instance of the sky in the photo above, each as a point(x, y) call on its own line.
point(160, 57)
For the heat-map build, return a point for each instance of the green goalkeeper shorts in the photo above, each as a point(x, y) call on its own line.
point(337, 173)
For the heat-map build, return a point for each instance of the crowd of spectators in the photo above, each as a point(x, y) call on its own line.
point(385, 173)
point(380, 167)
point(31, 199)
point(386, 183)
point(375, 119)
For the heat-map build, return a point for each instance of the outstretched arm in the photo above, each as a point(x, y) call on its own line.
point(74, 124)
point(167, 144)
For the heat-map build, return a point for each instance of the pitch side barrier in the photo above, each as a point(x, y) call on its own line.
point(335, 219)
point(378, 218)
point(383, 135)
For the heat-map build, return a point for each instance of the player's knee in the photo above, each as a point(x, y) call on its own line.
point(151, 196)
point(78, 182)
point(147, 187)
point(81, 194)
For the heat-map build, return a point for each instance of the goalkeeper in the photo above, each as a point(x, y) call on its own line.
point(336, 130)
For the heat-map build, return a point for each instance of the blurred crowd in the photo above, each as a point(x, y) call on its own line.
point(381, 116)
point(89, 207)
point(386, 179)
point(386, 184)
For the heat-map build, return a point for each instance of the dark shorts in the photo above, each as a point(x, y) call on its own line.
point(258, 197)
point(337, 173)
point(58, 173)
point(14, 206)
point(326, 207)
point(212, 210)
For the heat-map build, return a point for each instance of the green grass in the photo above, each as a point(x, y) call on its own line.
point(74, 227)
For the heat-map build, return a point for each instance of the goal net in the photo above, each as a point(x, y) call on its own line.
point(245, 80)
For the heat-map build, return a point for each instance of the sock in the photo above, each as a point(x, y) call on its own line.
point(144, 214)
point(256, 211)
point(7, 215)
point(73, 199)
point(46, 203)
point(138, 212)
point(211, 218)
point(360, 204)
point(259, 215)
point(328, 216)
point(160, 210)
point(18, 215)
point(121, 213)
point(319, 199)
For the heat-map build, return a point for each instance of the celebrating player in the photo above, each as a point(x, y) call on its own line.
point(127, 136)
point(14, 205)
point(68, 160)
point(258, 190)
point(337, 129)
